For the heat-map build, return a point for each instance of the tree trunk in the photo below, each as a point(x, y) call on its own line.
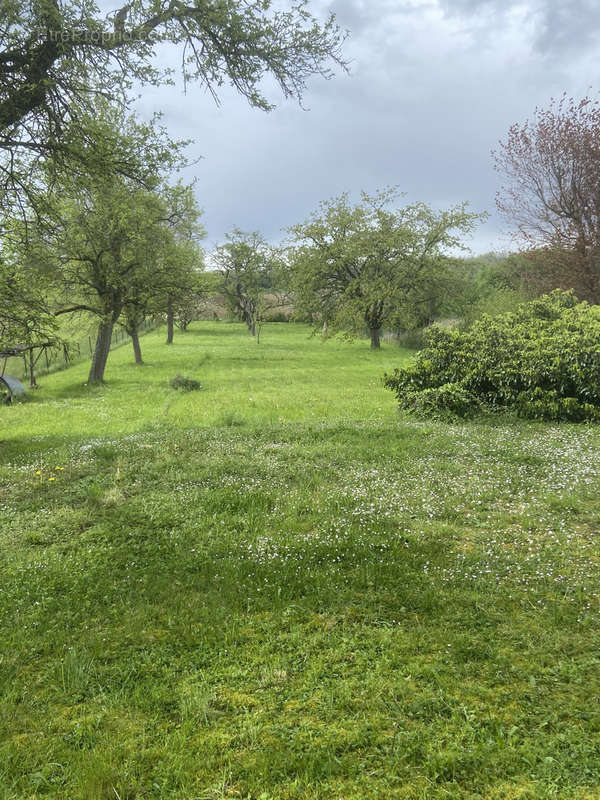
point(170, 321)
point(135, 341)
point(32, 380)
point(325, 331)
point(101, 351)
point(375, 338)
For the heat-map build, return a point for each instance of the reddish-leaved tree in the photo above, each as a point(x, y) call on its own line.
point(551, 167)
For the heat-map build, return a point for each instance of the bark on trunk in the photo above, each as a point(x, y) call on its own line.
point(137, 350)
point(325, 331)
point(170, 321)
point(101, 351)
point(375, 338)
point(32, 380)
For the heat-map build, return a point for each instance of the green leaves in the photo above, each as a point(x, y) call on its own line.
point(248, 267)
point(543, 361)
point(374, 263)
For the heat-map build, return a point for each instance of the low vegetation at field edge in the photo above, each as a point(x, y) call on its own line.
point(308, 597)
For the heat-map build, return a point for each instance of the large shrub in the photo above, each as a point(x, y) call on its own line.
point(542, 361)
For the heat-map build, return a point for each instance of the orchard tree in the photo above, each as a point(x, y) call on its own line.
point(110, 247)
point(185, 282)
point(166, 280)
point(360, 266)
point(248, 268)
point(193, 302)
point(551, 194)
point(138, 261)
point(57, 57)
point(172, 272)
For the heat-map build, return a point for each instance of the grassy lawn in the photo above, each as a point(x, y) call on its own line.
point(278, 588)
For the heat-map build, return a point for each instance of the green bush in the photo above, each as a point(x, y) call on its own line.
point(185, 384)
point(543, 361)
point(449, 400)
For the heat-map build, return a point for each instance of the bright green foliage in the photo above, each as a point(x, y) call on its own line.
point(116, 247)
point(543, 361)
point(25, 317)
point(359, 267)
point(247, 266)
point(113, 252)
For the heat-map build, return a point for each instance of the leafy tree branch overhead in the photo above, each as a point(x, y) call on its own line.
point(58, 56)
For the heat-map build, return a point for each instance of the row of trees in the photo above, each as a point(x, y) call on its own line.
point(95, 225)
point(123, 250)
point(126, 247)
point(91, 221)
point(350, 267)
point(115, 247)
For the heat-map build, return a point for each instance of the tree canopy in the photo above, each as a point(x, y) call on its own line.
point(360, 266)
point(551, 194)
point(58, 57)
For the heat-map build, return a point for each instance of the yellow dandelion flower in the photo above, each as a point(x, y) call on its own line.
point(52, 479)
point(38, 472)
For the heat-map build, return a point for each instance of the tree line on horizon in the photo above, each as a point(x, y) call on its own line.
point(95, 223)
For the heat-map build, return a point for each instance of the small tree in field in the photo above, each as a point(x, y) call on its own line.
point(247, 266)
point(185, 283)
point(193, 302)
point(171, 273)
point(168, 280)
point(364, 265)
point(551, 166)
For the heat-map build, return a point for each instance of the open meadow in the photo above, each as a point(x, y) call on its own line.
point(278, 588)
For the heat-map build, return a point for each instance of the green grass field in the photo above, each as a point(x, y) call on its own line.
point(279, 588)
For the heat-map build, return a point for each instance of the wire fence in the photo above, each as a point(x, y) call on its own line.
point(54, 360)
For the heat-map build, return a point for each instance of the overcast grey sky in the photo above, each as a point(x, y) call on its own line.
point(434, 84)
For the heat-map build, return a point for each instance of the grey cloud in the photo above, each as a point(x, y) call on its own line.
point(559, 26)
point(568, 26)
point(425, 103)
